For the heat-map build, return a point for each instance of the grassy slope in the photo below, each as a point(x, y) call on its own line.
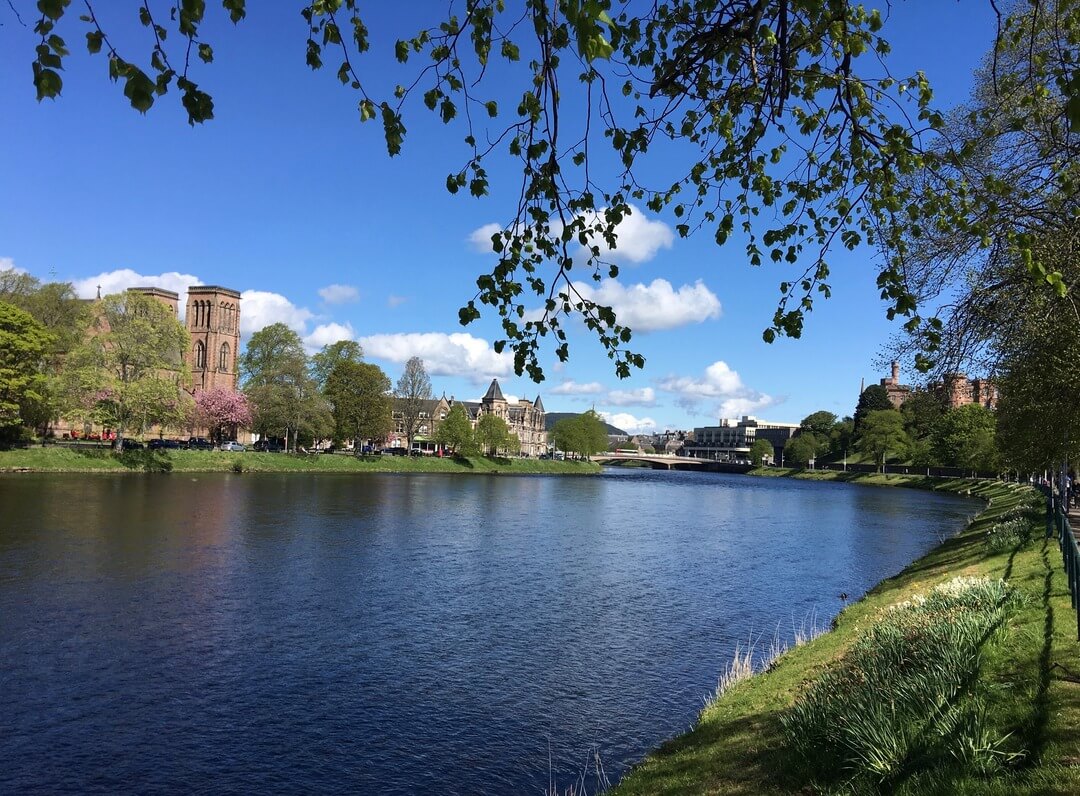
point(97, 460)
point(1031, 678)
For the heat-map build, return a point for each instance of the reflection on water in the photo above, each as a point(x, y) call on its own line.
point(401, 634)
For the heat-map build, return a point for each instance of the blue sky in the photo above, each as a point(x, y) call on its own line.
point(287, 197)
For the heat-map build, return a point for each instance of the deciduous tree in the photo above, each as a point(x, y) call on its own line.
point(761, 450)
point(492, 433)
point(128, 372)
point(413, 392)
point(285, 398)
point(776, 105)
point(222, 411)
point(455, 433)
point(882, 435)
point(359, 398)
point(24, 346)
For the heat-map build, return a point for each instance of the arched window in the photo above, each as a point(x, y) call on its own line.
point(223, 358)
point(200, 355)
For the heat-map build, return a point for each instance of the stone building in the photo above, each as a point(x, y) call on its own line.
point(213, 322)
point(897, 392)
point(523, 417)
point(959, 390)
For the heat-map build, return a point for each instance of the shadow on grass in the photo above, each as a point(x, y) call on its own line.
point(146, 460)
point(463, 461)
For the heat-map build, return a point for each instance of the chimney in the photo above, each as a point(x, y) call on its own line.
point(895, 372)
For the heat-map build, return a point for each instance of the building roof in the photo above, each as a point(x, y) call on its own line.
point(494, 392)
point(213, 289)
point(539, 405)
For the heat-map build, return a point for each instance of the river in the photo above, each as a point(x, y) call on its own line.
point(402, 633)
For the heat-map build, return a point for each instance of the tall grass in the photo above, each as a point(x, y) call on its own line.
point(901, 692)
point(747, 661)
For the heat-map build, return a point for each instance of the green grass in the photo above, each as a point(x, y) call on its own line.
point(58, 459)
point(1027, 682)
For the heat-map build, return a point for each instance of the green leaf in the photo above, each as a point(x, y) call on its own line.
point(93, 41)
point(206, 53)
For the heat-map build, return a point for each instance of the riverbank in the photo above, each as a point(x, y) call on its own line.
point(1027, 682)
point(97, 460)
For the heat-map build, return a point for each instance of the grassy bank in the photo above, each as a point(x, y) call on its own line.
point(61, 460)
point(1010, 726)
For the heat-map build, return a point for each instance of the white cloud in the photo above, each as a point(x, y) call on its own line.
point(327, 333)
point(458, 354)
point(123, 278)
point(260, 308)
point(737, 407)
point(480, 238)
point(570, 387)
point(637, 237)
point(644, 396)
point(8, 264)
point(339, 294)
point(721, 388)
point(629, 423)
point(720, 382)
point(395, 301)
point(649, 308)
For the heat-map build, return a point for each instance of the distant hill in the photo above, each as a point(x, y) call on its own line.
point(554, 417)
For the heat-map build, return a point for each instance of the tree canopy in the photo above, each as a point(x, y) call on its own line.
point(778, 124)
point(128, 372)
point(882, 435)
point(359, 397)
point(583, 434)
point(455, 432)
point(24, 344)
point(285, 398)
point(412, 392)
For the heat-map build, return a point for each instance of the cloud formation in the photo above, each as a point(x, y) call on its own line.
point(326, 333)
point(720, 388)
point(458, 354)
point(638, 238)
point(570, 387)
point(656, 306)
point(8, 264)
point(393, 301)
point(123, 278)
point(480, 238)
point(339, 294)
point(629, 423)
point(644, 396)
point(260, 308)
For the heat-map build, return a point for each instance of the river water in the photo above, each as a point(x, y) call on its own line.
point(402, 633)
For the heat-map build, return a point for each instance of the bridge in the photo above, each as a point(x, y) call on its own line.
point(657, 461)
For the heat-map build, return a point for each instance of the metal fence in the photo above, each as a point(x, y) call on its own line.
point(1059, 525)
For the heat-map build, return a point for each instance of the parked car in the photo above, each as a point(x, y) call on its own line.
point(232, 445)
point(395, 451)
point(268, 446)
point(129, 444)
point(163, 444)
point(200, 444)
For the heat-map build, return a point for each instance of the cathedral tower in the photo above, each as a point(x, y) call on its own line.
point(213, 321)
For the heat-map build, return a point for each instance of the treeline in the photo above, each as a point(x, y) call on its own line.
point(118, 363)
point(924, 432)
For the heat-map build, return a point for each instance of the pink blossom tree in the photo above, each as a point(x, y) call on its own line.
point(222, 411)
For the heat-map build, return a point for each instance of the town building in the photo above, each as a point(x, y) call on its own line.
point(732, 441)
point(523, 417)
